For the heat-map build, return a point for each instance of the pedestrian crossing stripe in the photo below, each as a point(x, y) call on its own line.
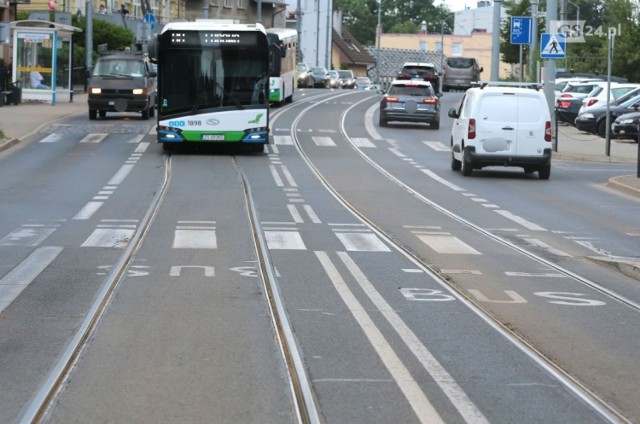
point(552, 46)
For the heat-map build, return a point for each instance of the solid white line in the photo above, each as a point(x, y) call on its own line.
point(276, 176)
point(312, 215)
point(515, 218)
point(12, 284)
point(443, 379)
point(120, 175)
point(289, 177)
point(297, 218)
point(442, 180)
point(424, 410)
point(88, 210)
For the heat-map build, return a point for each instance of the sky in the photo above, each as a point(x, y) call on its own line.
point(456, 5)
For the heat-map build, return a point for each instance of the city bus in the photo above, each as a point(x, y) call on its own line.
point(213, 83)
point(283, 72)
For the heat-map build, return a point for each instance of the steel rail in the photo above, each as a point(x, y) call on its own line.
point(607, 411)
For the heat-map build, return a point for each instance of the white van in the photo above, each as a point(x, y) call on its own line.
point(501, 125)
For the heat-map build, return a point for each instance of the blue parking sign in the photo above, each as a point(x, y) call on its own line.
point(521, 30)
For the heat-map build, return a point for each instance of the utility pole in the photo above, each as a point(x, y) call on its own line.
point(533, 54)
point(550, 67)
point(495, 41)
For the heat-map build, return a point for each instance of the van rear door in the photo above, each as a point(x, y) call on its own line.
point(511, 124)
point(531, 124)
point(496, 123)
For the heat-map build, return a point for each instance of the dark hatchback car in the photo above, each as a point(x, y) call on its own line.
point(421, 71)
point(122, 83)
point(626, 126)
point(594, 121)
point(410, 101)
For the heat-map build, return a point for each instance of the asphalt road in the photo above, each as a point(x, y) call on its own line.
point(413, 294)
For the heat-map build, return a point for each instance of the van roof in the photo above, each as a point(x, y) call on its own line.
point(419, 64)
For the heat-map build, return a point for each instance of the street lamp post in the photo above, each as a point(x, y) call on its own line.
point(378, 31)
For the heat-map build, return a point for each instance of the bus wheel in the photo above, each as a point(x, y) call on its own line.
point(168, 147)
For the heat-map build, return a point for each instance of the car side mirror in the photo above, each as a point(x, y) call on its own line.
point(453, 113)
point(481, 69)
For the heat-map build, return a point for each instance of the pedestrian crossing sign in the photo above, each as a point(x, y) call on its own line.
point(552, 46)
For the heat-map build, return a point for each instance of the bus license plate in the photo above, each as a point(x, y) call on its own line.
point(213, 137)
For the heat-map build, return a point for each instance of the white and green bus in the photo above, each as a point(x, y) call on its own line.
point(213, 83)
point(283, 72)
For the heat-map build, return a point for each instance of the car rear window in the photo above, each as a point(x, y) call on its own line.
point(510, 108)
point(410, 90)
point(420, 71)
point(460, 62)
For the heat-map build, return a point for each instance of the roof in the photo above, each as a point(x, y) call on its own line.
point(356, 53)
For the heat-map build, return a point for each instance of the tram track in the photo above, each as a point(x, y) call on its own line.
point(303, 399)
point(606, 410)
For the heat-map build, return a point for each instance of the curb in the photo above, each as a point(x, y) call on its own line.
point(628, 266)
point(619, 184)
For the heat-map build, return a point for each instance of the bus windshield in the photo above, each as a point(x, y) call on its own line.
point(212, 78)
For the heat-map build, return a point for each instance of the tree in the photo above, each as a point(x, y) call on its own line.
point(397, 16)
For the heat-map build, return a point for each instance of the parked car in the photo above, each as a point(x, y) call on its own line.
point(594, 120)
point(421, 71)
point(347, 79)
point(626, 126)
point(334, 79)
point(459, 72)
point(501, 125)
point(122, 83)
point(363, 83)
point(568, 109)
point(410, 101)
point(598, 96)
point(569, 103)
point(320, 77)
point(304, 76)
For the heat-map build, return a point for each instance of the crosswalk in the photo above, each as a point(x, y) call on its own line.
point(113, 233)
point(324, 140)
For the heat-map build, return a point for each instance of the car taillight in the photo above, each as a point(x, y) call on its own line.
point(471, 133)
point(430, 101)
point(547, 131)
point(591, 101)
point(390, 99)
point(564, 104)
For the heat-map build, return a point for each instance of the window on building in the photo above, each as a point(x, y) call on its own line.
point(456, 49)
point(438, 46)
point(423, 46)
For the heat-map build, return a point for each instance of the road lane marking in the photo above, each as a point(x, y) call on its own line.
point(362, 142)
point(284, 240)
point(437, 146)
point(120, 175)
point(442, 180)
point(323, 141)
point(467, 409)
point(88, 210)
point(519, 220)
point(12, 284)
point(28, 235)
point(447, 244)
point(359, 242)
point(423, 409)
point(94, 138)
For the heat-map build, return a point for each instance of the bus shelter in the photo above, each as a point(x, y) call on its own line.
point(43, 60)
